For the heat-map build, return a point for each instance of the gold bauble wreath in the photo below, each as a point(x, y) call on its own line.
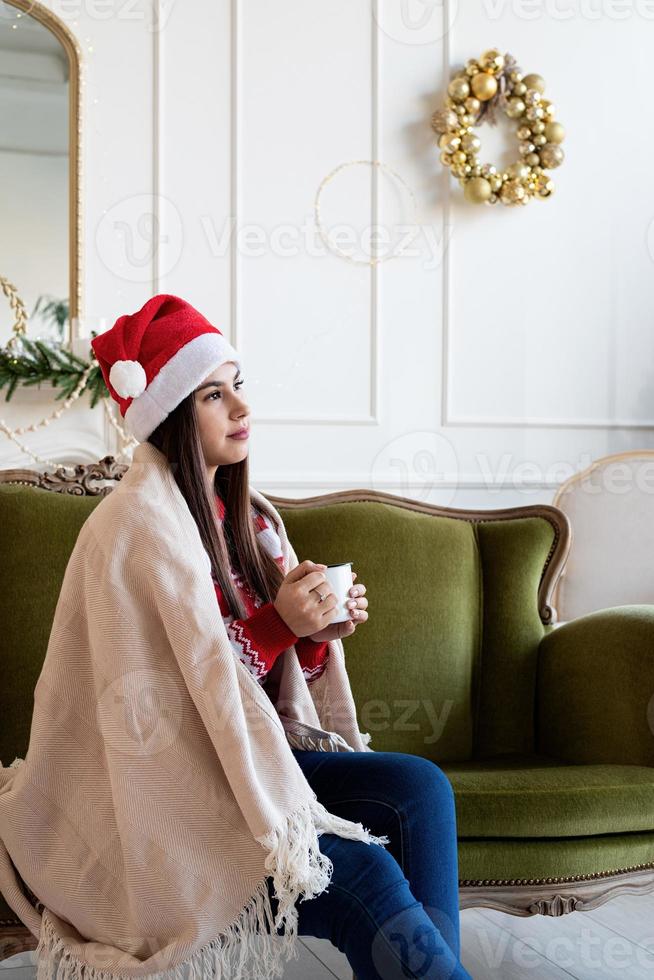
point(476, 93)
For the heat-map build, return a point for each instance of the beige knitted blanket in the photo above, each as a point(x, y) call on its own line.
point(159, 789)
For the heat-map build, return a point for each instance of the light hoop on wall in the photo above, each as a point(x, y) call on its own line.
point(332, 246)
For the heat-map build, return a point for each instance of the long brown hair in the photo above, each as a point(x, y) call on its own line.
point(233, 540)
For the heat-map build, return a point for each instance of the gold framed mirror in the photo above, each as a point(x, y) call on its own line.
point(40, 151)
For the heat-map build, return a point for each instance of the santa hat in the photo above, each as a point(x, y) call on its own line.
point(151, 360)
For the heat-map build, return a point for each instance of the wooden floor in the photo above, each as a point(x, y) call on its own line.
point(614, 941)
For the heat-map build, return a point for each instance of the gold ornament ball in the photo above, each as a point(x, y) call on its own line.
point(492, 60)
point(518, 171)
point(544, 186)
point(484, 86)
point(470, 142)
point(532, 159)
point(477, 190)
point(554, 132)
point(444, 119)
point(472, 105)
point(519, 88)
point(471, 67)
point(512, 192)
point(446, 159)
point(534, 81)
point(449, 142)
point(459, 88)
point(515, 107)
point(495, 180)
point(523, 133)
point(458, 157)
point(551, 155)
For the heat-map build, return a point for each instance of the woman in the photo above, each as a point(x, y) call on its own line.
point(392, 912)
point(165, 822)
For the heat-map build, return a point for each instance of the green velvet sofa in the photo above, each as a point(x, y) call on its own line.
point(544, 730)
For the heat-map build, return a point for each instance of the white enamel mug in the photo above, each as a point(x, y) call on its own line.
point(340, 582)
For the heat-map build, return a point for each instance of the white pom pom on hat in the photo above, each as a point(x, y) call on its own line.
point(128, 378)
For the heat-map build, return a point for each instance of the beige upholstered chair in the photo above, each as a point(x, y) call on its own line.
point(610, 506)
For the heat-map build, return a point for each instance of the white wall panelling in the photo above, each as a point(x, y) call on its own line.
point(509, 350)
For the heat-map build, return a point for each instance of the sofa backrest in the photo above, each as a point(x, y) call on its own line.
point(446, 665)
point(444, 668)
point(38, 530)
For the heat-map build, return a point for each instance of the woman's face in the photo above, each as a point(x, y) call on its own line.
point(221, 411)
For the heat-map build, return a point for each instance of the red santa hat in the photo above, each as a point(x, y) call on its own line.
point(151, 360)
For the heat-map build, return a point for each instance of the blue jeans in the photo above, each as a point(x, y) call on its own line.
point(394, 910)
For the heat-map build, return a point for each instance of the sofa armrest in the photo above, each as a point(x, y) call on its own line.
point(595, 688)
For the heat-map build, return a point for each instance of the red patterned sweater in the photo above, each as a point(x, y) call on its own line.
point(262, 635)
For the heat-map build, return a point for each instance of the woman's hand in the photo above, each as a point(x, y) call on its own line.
point(358, 605)
point(297, 599)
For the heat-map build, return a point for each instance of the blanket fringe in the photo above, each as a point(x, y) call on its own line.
point(330, 823)
point(317, 744)
point(248, 950)
point(298, 868)
point(302, 736)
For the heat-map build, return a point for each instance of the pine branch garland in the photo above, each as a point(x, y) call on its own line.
point(37, 362)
